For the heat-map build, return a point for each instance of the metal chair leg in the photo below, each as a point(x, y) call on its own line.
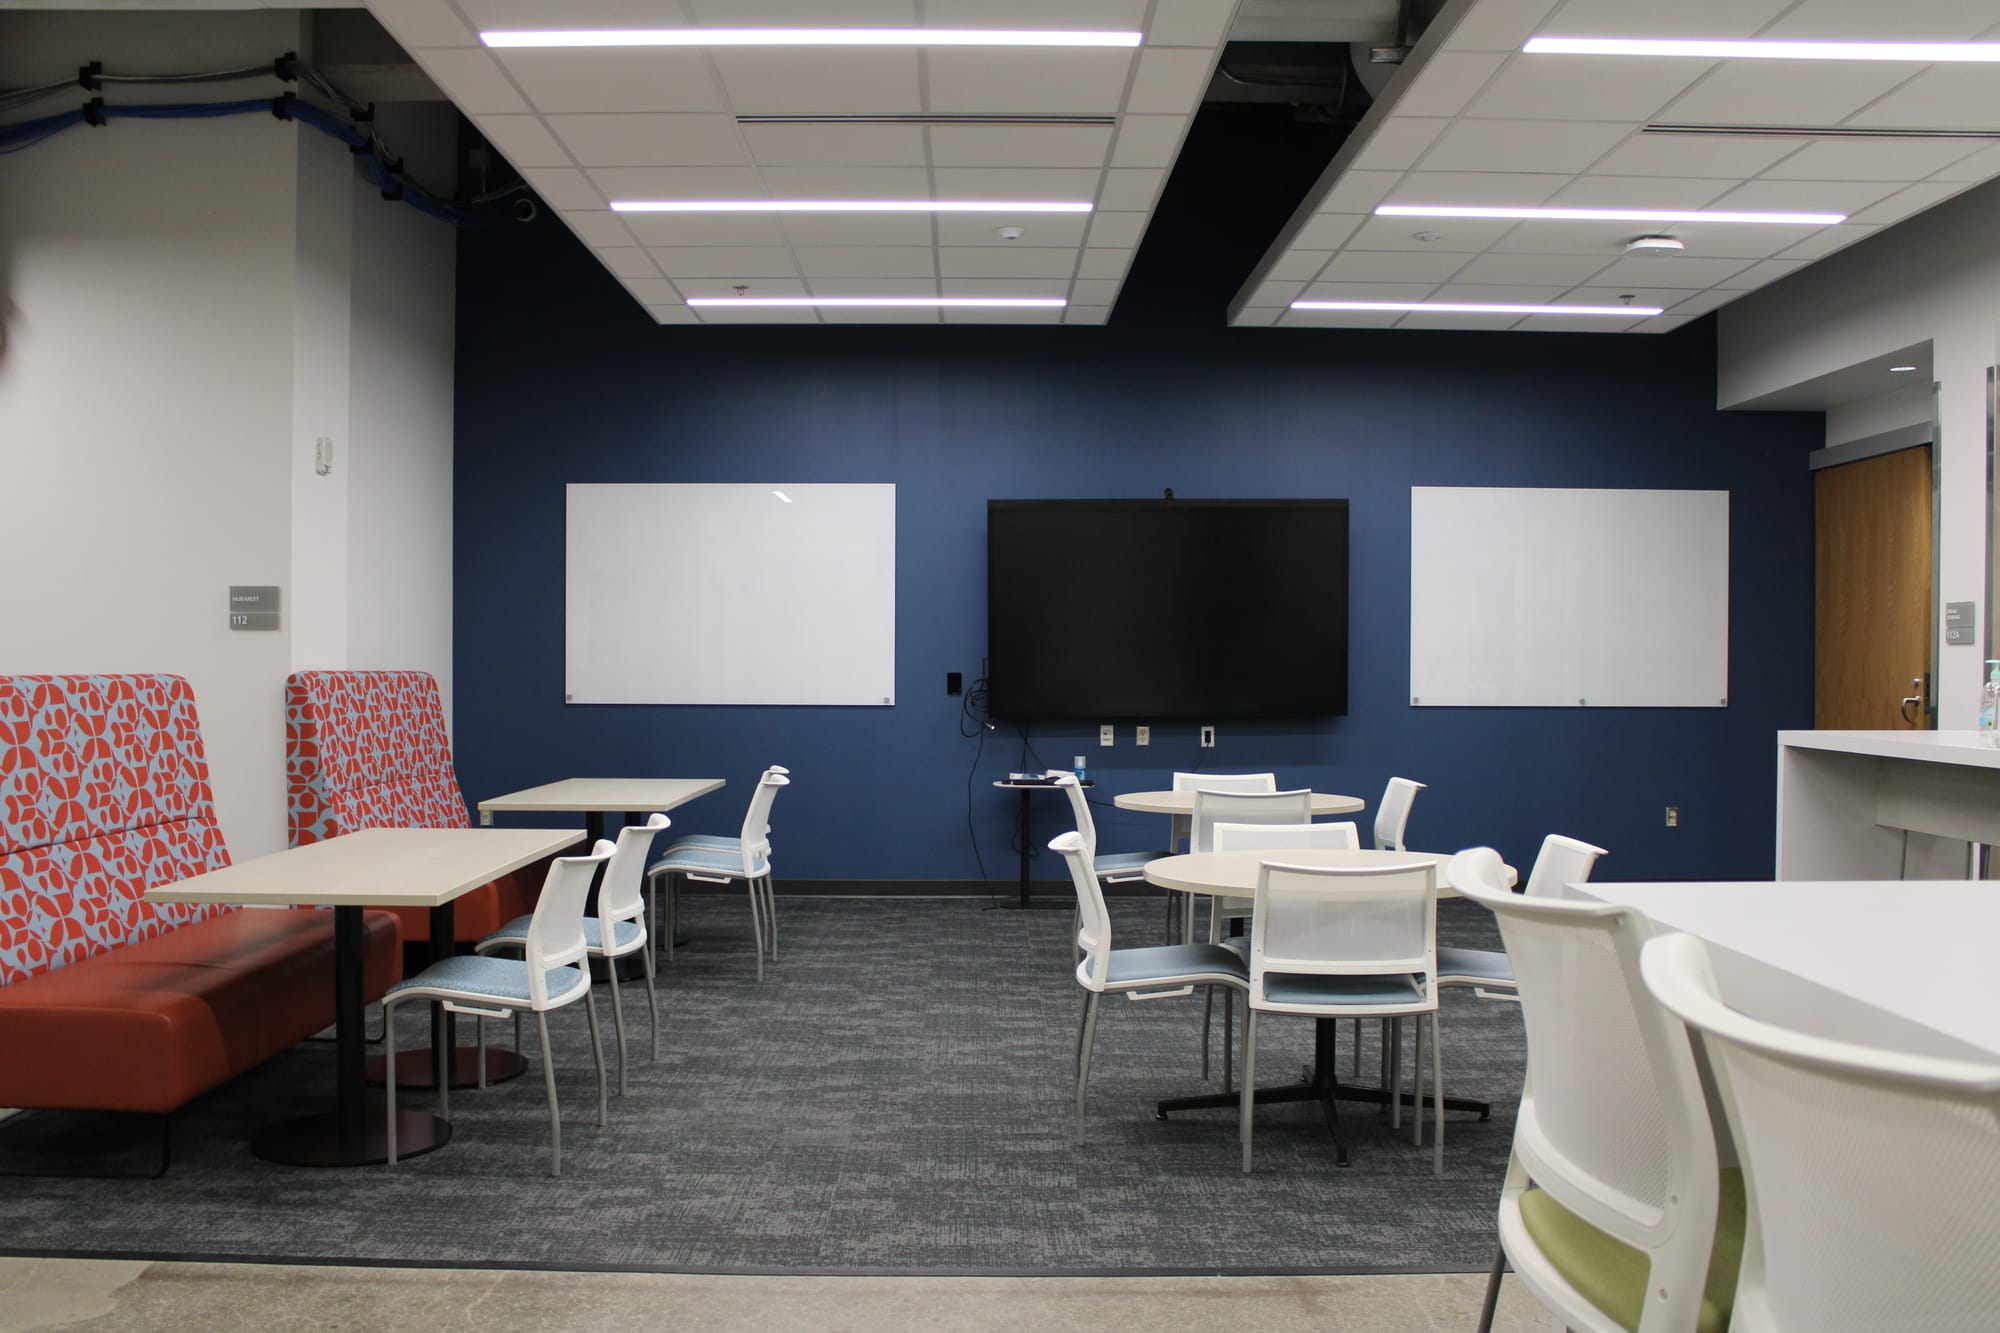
point(1395, 1073)
point(479, 1027)
point(597, 1058)
point(1207, 1005)
point(1488, 1306)
point(445, 1055)
point(1437, 1093)
point(1417, 1077)
point(756, 930)
point(1247, 1103)
point(389, 1052)
point(1082, 1022)
point(652, 997)
point(771, 913)
point(549, 1082)
point(618, 1019)
point(1083, 1058)
point(1228, 1032)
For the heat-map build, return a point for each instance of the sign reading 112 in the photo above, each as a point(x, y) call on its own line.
point(253, 607)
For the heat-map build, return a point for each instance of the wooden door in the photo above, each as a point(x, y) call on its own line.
point(1872, 590)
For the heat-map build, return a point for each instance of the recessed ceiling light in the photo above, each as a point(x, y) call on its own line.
point(888, 302)
point(1901, 370)
point(1470, 308)
point(1606, 214)
point(806, 37)
point(848, 206)
point(1760, 49)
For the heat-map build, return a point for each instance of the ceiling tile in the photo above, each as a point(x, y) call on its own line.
point(1595, 191)
point(628, 261)
point(1057, 229)
point(1506, 189)
point(1117, 229)
point(1340, 319)
point(1398, 142)
point(1827, 240)
point(800, 13)
point(858, 228)
point(1170, 80)
point(1569, 88)
point(1020, 145)
point(845, 182)
point(1094, 291)
point(1005, 261)
point(488, 14)
point(1391, 266)
point(566, 187)
point(415, 23)
point(1500, 25)
point(621, 80)
point(1189, 22)
point(1029, 316)
point(703, 229)
point(1041, 81)
point(867, 261)
point(1667, 298)
point(1906, 202)
point(1086, 314)
point(1299, 265)
point(1873, 159)
point(524, 141)
point(1776, 92)
point(1578, 324)
point(1029, 287)
point(1032, 183)
point(851, 286)
point(820, 81)
point(1274, 291)
point(1458, 235)
point(1695, 155)
point(1533, 270)
point(1445, 83)
point(1130, 191)
point(640, 183)
point(1688, 273)
point(473, 81)
point(1523, 145)
point(1148, 141)
point(656, 291)
point(1358, 191)
point(1371, 291)
point(725, 261)
point(1949, 97)
point(1327, 231)
point(1982, 165)
point(1090, 15)
point(1861, 20)
point(854, 145)
point(598, 227)
point(1790, 196)
point(1497, 294)
point(659, 140)
point(1770, 270)
point(1102, 262)
point(1683, 18)
point(724, 286)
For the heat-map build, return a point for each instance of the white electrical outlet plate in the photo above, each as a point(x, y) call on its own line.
point(1673, 816)
point(1208, 738)
point(1142, 735)
point(1106, 734)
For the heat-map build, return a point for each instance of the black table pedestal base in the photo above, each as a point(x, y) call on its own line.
point(414, 1068)
point(316, 1140)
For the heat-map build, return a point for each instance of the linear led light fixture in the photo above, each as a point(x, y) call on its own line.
point(849, 206)
point(886, 302)
point(1470, 308)
point(808, 37)
point(1762, 49)
point(1607, 214)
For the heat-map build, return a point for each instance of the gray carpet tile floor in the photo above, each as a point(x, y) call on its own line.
point(894, 1097)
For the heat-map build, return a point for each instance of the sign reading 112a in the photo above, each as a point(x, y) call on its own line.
point(253, 607)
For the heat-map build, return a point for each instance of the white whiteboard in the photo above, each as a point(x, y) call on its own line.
point(1566, 598)
point(712, 594)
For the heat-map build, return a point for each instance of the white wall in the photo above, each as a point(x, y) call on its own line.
point(181, 319)
point(1935, 277)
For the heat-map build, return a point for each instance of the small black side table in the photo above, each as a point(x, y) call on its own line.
point(1027, 789)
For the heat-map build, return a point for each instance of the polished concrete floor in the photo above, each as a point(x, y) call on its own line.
point(135, 1296)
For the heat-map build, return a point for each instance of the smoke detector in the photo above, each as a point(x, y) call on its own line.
point(1653, 245)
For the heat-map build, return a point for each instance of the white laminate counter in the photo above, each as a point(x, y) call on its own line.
point(1846, 799)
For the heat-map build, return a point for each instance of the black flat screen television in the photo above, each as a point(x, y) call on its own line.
point(1197, 609)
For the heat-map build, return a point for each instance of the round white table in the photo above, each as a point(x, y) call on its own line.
point(1181, 803)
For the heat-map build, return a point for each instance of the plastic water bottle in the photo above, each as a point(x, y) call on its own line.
point(1083, 776)
point(1989, 705)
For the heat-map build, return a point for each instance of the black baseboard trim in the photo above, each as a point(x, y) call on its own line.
point(923, 888)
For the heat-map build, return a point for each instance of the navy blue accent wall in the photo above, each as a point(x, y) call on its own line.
point(561, 378)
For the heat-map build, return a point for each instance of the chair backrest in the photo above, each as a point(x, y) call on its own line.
point(1079, 808)
point(756, 836)
point(1392, 815)
point(1342, 836)
point(1093, 933)
point(1264, 807)
point(621, 897)
point(1226, 781)
point(555, 932)
point(1561, 861)
point(1872, 1176)
point(1612, 1120)
point(1359, 920)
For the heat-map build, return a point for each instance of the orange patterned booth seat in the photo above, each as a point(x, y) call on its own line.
point(367, 749)
point(109, 1002)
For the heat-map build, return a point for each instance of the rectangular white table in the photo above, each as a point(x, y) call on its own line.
point(1848, 799)
point(350, 873)
point(1906, 964)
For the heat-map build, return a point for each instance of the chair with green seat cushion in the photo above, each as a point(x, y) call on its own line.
point(1614, 1154)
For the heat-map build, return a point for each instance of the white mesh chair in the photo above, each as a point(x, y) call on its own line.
point(1341, 942)
point(1487, 971)
point(617, 931)
point(1177, 832)
point(1240, 807)
point(1873, 1175)
point(1613, 1211)
point(723, 841)
point(553, 972)
point(749, 861)
point(1155, 973)
point(1392, 814)
point(1113, 867)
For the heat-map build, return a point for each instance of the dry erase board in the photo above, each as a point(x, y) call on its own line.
point(728, 594)
point(1569, 598)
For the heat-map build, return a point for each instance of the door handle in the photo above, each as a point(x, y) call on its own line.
point(1916, 699)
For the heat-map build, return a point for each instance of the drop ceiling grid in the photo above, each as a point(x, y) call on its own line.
point(1873, 185)
point(664, 259)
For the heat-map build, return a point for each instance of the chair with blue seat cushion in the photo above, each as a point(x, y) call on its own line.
point(622, 907)
point(1180, 826)
point(1331, 942)
point(722, 841)
point(1158, 972)
point(1112, 867)
point(1392, 814)
point(748, 861)
point(1487, 971)
point(1613, 1210)
point(552, 972)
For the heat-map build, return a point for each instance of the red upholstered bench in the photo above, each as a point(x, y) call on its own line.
point(109, 1002)
point(368, 749)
